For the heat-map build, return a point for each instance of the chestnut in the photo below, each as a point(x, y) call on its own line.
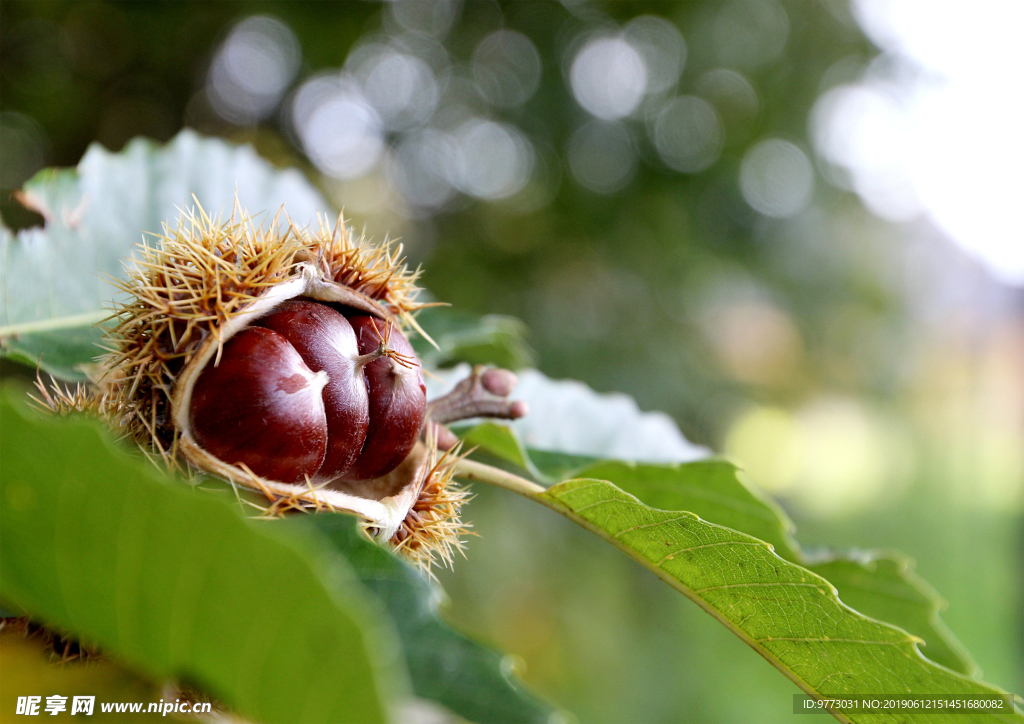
point(397, 394)
point(325, 341)
point(231, 353)
point(357, 396)
point(262, 406)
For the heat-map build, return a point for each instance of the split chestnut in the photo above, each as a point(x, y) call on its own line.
point(311, 394)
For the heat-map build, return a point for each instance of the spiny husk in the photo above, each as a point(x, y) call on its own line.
point(432, 530)
point(81, 398)
point(204, 281)
point(202, 274)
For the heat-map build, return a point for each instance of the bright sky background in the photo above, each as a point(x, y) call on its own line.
point(935, 125)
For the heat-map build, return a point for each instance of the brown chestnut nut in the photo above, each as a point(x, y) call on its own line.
point(398, 398)
point(325, 341)
point(262, 406)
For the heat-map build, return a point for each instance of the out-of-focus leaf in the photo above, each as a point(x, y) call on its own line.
point(501, 442)
point(882, 586)
point(789, 615)
point(98, 543)
point(556, 466)
point(62, 353)
point(29, 671)
point(463, 337)
point(465, 677)
point(96, 213)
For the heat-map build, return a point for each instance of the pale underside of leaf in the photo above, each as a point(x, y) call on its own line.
point(96, 213)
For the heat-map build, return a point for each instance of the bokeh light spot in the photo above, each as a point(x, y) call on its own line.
point(435, 17)
point(862, 135)
point(506, 68)
point(688, 134)
point(662, 48)
point(832, 457)
point(400, 87)
point(844, 466)
point(776, 178)
point(252, 69)
point(608, 77)
point(416, 168)
point(339, 130)
point(766, 441)
point(492, 160)
point(758, 342)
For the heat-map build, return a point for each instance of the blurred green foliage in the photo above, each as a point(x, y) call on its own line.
point(99, 544)
point(166, 576)
point(469, 679)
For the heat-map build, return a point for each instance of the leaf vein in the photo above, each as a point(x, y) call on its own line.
point(655, 524)
point(712, 545)
point(758, 584)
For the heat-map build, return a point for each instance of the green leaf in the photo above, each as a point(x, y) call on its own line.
point(789, 615)
point(96, 213)
point(716, 490)
point(500, 445)
point(64, 353)
point(499, 441)
point(884, 586)
point(464, 337)
point(444, 666)
point(100, 543)
point(880, 585)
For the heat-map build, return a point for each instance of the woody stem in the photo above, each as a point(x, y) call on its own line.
point(471, 398)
